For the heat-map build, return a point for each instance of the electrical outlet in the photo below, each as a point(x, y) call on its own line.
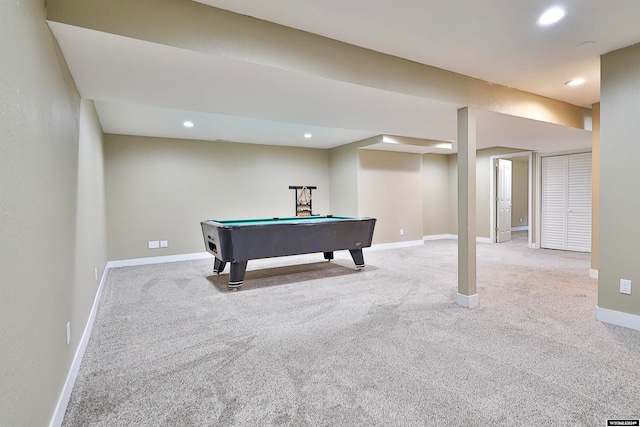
point(401, 232)
point(164, 243)
point(625, 286)
point(520, 220)
point(154, 244)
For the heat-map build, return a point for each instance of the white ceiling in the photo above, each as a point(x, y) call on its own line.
point(144, 88)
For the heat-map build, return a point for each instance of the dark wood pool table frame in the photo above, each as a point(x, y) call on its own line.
point(237, 241)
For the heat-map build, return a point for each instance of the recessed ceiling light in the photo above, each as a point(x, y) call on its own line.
point(307, 135)
point(187, 124)
point(575, 82)
point(551, 16)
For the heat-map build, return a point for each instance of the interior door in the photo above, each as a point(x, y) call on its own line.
point(566, 203)
point(504, 177)
point(579, 203)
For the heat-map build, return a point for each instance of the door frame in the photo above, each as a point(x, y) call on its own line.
point(492, 192)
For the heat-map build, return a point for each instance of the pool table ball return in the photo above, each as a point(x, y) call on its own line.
point(237, 241)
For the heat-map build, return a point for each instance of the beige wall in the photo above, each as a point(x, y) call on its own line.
point(390, 190)
point(51, 206)
point(520, 193)
point(343, 177)
point(343, 180)
point(619, 233)
point(91, 226)
point(435, 194)
point(452, 196)
point(160, 189)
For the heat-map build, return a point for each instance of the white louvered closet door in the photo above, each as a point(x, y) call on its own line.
point(566, 203)
point(579, 203)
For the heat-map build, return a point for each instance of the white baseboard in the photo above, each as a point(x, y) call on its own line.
point(158, 259)
point(454, 237)
point(593, 273)
point(467, 301)
point(521, 228)
point(205, 255)
point(395, 245)
point(440, 237)
point(619, 318)
point(65, 395)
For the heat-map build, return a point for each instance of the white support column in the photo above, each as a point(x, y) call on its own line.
point(467, 296)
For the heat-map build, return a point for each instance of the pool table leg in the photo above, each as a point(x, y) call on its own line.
point(358, 258)
point(218, 266)
point(328, 256)
point(236, 276)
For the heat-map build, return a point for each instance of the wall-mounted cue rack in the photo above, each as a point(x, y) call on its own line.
point(303, 199)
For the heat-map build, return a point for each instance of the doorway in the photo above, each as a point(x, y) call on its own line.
point(511, 190)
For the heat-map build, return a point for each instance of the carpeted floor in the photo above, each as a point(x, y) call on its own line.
point(312, 343)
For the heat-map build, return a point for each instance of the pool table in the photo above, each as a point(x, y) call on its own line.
point(237, 241)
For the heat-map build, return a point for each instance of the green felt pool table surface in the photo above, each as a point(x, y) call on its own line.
point(283, 220)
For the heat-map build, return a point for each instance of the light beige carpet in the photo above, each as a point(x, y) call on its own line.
point(312, 343)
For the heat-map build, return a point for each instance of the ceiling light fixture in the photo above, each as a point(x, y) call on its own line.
point(575, 82)
point(187, 124)
point(307, 135)
point(551, 16)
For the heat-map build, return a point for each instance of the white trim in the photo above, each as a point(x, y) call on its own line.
point(593, 273)
point(522, 228)
point(158, 259)
point(454, 237)
point(394, 245)
point(467, 301)
point(619, 318)
point(65, 394)
point(440, 237)
point(205, 255)
point(566, 153)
